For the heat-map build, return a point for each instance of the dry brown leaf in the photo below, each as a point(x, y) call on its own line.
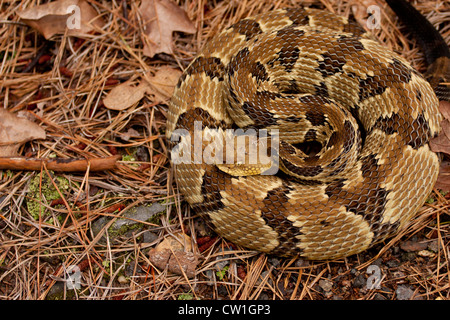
point(178, 242)
point(442, 142)
point(443, 180)
point(162, 18)
point(125, 95)
point(177, 262)
point(444, 108)
point(163, 83)
point(55, 17)
point(173, 253)
point(15, 131)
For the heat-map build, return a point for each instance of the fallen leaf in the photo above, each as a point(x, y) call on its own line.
point(183, 262)
point(55, 17)
point(159, 258)
point(176, 242)
point(443, 180)
point(410, 246)
point(442, 142)
point(15, 131)
point(177, 262)
point(174, 254)
point(444, 108)
point(125, 95)
point(162, 18)
point(163, 83)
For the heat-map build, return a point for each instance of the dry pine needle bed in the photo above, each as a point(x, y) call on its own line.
point(90, 194)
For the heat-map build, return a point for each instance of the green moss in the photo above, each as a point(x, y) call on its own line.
point(186, 296)
point(127, 157)
point(44, 194)
point(113, 231)
point(221, 274)
point(131, 158)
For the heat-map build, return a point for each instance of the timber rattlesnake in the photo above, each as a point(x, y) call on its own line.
point(354, 122)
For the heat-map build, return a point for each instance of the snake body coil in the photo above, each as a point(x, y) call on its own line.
point(322, 82)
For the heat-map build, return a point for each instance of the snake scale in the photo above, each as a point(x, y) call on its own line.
point(354, 121)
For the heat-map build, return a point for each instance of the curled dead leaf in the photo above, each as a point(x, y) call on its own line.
point(163, 83)
point(55, 17)
point(162, 18)
point(443, 180)
point(174, 254)
point(442, 142)
point(125, 95)
point(178, 262)
point(15, 131)
point(176, 242)
point(444, 108)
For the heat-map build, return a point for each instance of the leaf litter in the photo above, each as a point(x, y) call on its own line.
point(79, 88)
point(76, 17)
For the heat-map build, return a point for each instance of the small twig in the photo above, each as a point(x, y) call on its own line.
point(59, 164)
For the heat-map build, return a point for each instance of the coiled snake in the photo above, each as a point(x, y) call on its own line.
point(354, 121)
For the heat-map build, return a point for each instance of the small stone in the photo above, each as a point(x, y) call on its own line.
point(393, 263)
point(326, 285)
point(359, 281)
point(122, 279)
point(131, 221)
point(408, 256)
point(379, 296)
point(434, 246)
point(58, 292)
point(265, 276)
point(404, 292)
point(275, 262)
point(426, 253)
point(302, 263)
point(264, 296)
point(148, 237)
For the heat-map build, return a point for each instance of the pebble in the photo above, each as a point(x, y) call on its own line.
point(302, 263)
point(393, 263)
point(379, 296)
point(434, 246)
point(265, 276)
point(148, 236)
point(122, 279)
point(404, 292)
point(130, 220)
point(359, 281)
point(326, 285)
